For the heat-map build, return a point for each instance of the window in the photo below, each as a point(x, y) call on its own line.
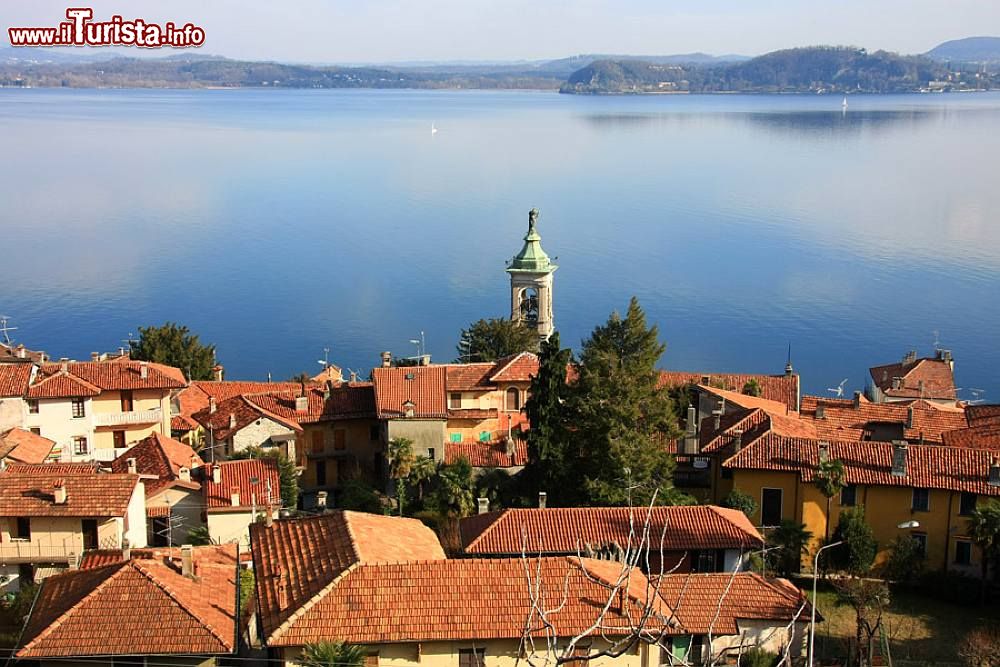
point(849, 496)
point(921, 540)
point(321, 472)
point(371, 659)
point(967, 504)
point(318, 444)
point(430, 453)
point(373, 433)
point(89, 528)
point(32, 407)
point(80, 447)
point(703, 560)
point(484, 436)
point(119, 439)
point(770, 507)
point(455, 437)
point(78, 408)
point(921, 500)
point(963, 552)
point(471, 657)
point(126, 401)
point(513, 400)
point(340, 440)
point(23, 529)
point(455, 401)
point(36, 430)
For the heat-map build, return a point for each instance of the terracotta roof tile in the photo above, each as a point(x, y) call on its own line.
point(566, 530)
point(979, 415)
point(118, 374)
point(423, 386)
point(256, 480)
point(469, 377)
point(161, 456)
point(920, 378)
point(986, 436)
point(14, 378)
point(487, 454)
point(140, 607)
point(517, 368)
point(48, 469)
point(355, 400)
point(234, 414)
point(782, 389)
point(61, 385)
point(86, 495)
point(303, 556)
point(21, 446)
point(870, 463)
point(843, 420)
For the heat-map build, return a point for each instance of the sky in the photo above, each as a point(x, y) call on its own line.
point(372, 31)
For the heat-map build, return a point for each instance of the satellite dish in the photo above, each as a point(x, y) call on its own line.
point(700, 464)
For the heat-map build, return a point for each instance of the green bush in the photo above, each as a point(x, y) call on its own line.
point(738, 500)
point(906, 560)
point(858, 552)
point(758, 657)
point(355, 495)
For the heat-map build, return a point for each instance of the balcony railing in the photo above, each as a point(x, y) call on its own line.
point(30, 552)
point(128, 418)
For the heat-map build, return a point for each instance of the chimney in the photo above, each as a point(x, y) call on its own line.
point(788, 368)
point(95, 356)
point(716, 419)
point(857, 400)
point(909, 417)
point(425, 360)
point(234, 495)
point(820, 411)
point(910, 357)
point(738, 443)
point(144, 369)
point(484, 505)
point(409, 409)
point(508, 447)
point(542, 499)
point(692, 421)
point(920, 387)
point(73, 561)
point(302, 404)
point(282, 591)
point(195, 462)
point(899, 458)
point(59, 492)
point(132, 469)
point(268, 516)
point(217, 473)
point(824, 451)
point(187, 560)
point(126, 550)
point(232, 420)
point(21, 352)
point(386, 359)
point(218, 372)
point(354, 376)
point(897, 383)
point(64, 365)
point(321, 497)
point(184, 473)
point(211, 405)
point(994, 479)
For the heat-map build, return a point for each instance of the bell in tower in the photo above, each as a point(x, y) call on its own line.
point(531, 283)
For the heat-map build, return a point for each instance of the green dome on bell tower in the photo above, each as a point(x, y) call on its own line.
point(531, 283)
point(531, 259)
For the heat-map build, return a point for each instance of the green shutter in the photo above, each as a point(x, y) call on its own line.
point(456, 437)
point(484, 436)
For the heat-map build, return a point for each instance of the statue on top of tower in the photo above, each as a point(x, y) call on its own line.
point(532, 219)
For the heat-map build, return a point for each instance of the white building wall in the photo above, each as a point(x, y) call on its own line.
point(259, 433)
point(56, 422)
point(13, 412)
point(135, 517)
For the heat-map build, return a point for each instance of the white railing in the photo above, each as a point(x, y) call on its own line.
point(128, 418)
point(105, 454)
point(17, 551)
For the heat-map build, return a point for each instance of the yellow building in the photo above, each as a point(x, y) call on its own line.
point(934, 486)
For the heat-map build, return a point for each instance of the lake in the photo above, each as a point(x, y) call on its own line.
point(277, 223)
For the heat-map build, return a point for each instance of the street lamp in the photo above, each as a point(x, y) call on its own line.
point(812, 622)
point(908, 524)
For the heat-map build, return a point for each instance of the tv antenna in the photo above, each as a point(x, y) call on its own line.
point(420, 343)
point(325, 361)
point(937, 340)
point(128, 342)
point(5, 330)
point(977, 395)
point(839, 389)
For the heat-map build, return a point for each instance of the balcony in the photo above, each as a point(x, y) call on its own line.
point(23, 551)
point(128, 418)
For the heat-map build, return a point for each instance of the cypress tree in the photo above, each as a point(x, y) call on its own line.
point(548, 439)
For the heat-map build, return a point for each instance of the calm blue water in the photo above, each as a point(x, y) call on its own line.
point(277, 223)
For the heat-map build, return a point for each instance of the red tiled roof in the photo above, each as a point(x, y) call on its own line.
point(217, 554)
point(869, 463)
point(424, 386)
point(182, 423)
point(62, 469)
point(986, 436)
point(303, 556)
point(487, 454)
point(86, 495)
point(244, 410)
point(23, 446)
point(257, 481)
point(980, 415)
point(466, 599)
point(161, 456)
point(567, 530)
point(228, 389)
point(517, 368)
point(468, 377)
point(745, 597)
point(14, 378)
point(61, 385)
point(355, 400)
point(140, 607)
point(783, 389)
point(121, 373)
point(921, 378)
point(843, 421)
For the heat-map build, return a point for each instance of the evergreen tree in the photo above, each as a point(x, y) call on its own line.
point(489, 340)
point(174, 345)
point(621, 417)
point(548, 439)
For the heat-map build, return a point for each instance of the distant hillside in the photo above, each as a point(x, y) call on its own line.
point(968, 50)
point(812, 69)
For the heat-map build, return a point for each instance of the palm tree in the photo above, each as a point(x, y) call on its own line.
point(984, 529)
point(332, 654)
point(454, 490)
point(422, 470)
point(830, 479)
point(788, 541)
point(400, 457)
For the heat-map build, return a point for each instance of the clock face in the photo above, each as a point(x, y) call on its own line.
point(529, 306)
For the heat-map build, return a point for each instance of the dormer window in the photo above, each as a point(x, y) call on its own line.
point(409, 409)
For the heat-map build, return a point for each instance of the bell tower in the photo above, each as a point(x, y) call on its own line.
point(531, 283)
